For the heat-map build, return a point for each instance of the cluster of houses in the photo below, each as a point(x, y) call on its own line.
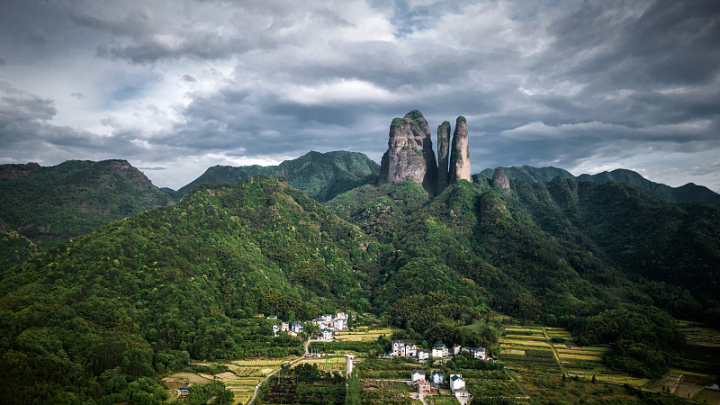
point(328, 324)
point(430, 386)
point(401, 348)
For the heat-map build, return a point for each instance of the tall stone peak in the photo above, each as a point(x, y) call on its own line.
point(460, 153)
point(500, 179)
point(443, 145)
point(410, 153)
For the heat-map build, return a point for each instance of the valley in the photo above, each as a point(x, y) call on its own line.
point(561, 291)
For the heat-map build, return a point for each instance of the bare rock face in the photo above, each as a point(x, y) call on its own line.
point(500, 179)
point(410, 153)
point(443, 145)
point(460, 153)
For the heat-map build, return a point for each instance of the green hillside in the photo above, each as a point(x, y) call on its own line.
point(531, 174)
point(51, 204)
point(186, 279)
point(651, 240)
point(683, 194)
point(101, 316)
point(468, 251)
point(319, 175)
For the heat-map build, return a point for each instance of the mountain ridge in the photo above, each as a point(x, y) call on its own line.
point(320, 175)
point(687, 193)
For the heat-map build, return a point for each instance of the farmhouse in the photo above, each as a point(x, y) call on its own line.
point(410, 349)
point(423, 354)
point(398, 348)
point(417, 375)
point(297, 326)
point(440, 350)
point(479, 353)
point(285, 327)
point(457, 386)
point(424, 388)
point(456, 349)
point(325, 334)
point(437, 378)
point(339, 324)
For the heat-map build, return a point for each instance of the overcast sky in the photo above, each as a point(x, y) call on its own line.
point(178, 86)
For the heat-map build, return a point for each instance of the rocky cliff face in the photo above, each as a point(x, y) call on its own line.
point(500, 179)
point(443, 145)
point(460, 153)
point(410, 153)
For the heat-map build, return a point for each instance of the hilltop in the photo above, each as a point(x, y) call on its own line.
point(50, 204)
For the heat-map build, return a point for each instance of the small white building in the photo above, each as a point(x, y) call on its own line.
point(423, 354)
point(341, 315)
point(276, 329)
point(340, 324)
point(273, 317)
point(325, 334)
point(297, 327)
point(479, 353)
point(437, 378)
point(456, 349)
point(410, 349)
point(285, 327)
point(456, 382)
point(416, 375)
point(327, 318)
point(440, 350)
point(398, 348)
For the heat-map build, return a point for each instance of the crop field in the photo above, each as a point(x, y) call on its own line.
point(335, 364)
point(371, 335)
point(710, 397)
point(699, 335)
point(374, 392)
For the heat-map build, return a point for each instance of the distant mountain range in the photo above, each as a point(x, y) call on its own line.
point(321, 176)
point(683, 194)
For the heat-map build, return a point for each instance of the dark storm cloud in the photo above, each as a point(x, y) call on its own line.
point(559, 82)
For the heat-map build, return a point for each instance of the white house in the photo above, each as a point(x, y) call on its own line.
point(423, 354)
point(327, 318)
point(437, 377)
point(456, 382)
point(416, 375)
point(479, 353)
point(325, 334)
point(273, 317)
point(456, 349)
point(341, 315)
point(410, 349)
point(398, 348)
point(297, 326)
point(276, 329)
point(285, 327)
point(440, 350)
point(340, 324)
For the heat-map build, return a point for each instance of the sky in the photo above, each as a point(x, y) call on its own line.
point(178, 86)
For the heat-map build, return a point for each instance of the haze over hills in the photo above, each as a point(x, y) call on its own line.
point(688, 193)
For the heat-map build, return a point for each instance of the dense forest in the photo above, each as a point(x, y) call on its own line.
point(99, 317)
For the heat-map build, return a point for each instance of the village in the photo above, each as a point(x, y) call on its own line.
point(328, 325)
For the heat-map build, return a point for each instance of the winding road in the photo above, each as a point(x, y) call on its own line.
point(257, 387)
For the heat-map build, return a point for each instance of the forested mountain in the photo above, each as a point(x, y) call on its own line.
point(99, 315)
point(531, 174)
point(647, 238)
point(50, 204)
point(466, 250)
point(687, 193)
point(130, 298)
point(321, 176)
